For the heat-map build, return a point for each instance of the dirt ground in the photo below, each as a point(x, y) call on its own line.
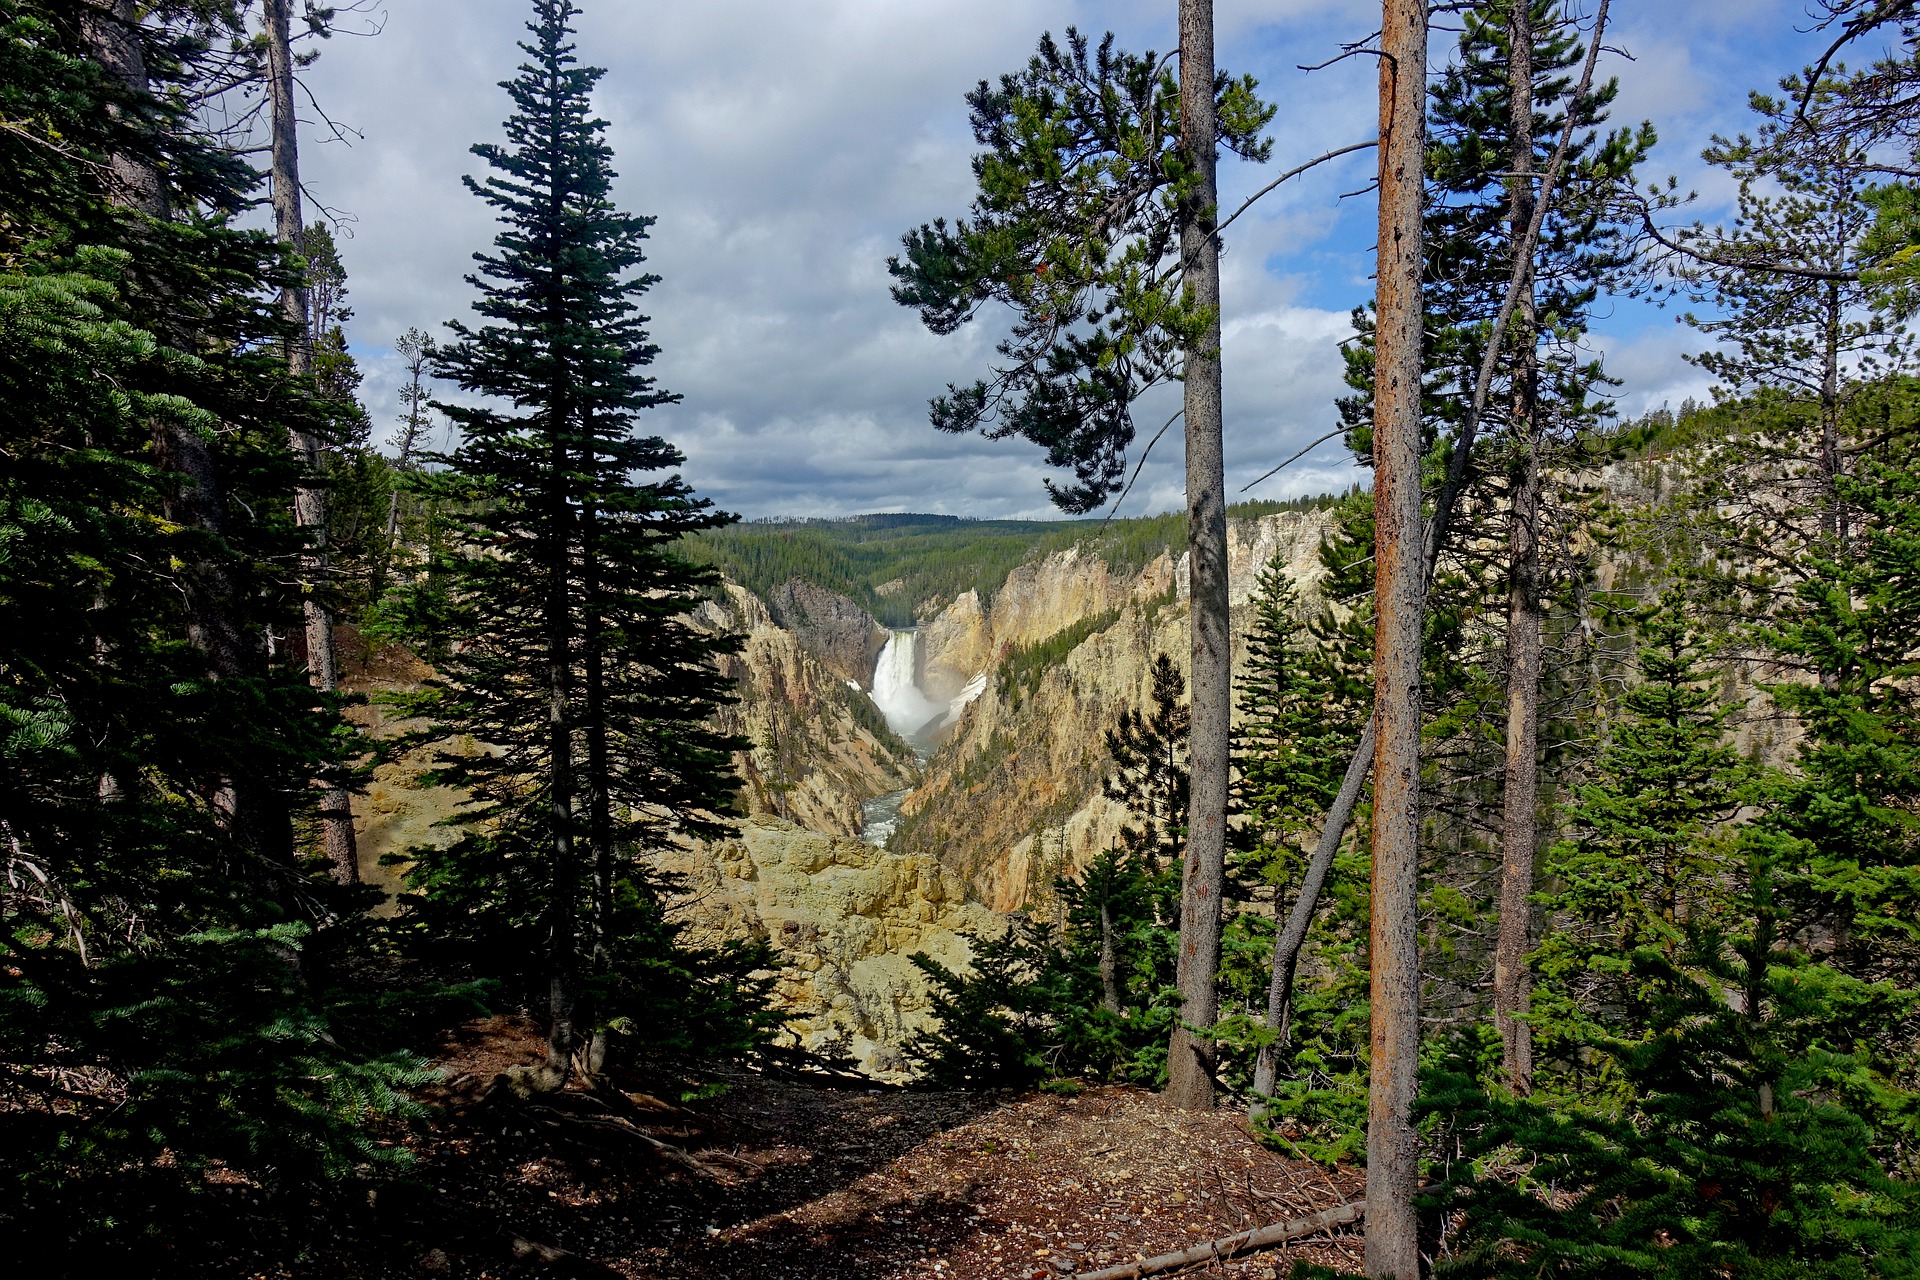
point(803, 1180)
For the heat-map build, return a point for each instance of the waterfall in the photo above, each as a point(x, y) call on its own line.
point(896, 687)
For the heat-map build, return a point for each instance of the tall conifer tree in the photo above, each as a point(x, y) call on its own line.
point(1498, 113)
point(1293, 726)
point(582, 671)
point(161, 1010)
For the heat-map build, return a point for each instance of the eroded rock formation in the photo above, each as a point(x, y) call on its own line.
point(1013, 797)
point(835, 630)
point(844, 917)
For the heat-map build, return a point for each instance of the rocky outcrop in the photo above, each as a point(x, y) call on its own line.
point(819, 746)
point(843, 916)
point(842, 635)
point(1037, 600)
point(1013, 797)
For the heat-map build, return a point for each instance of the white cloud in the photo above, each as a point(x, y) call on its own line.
point(785, 147)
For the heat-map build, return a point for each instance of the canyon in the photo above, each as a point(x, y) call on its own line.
point(991, 755)
point(904, 788)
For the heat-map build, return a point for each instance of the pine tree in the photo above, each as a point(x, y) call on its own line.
point(1094, 996)
point(359, 482)
point(1293, 730)
point(1290, 723)
point(417, 351)
point(1096, 224)
point(1644, 857)
point(163, 1009)
point(1149, 778)
point(1729, 1095)
point(1856, 782)
point(334, 368)
point(581, 669)
point(1312, 1034)
point(310, 489)
point(1802, 210)
point(1499, 112)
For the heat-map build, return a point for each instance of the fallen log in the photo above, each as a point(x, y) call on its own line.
point(1234, 1245)
point(707, 1165)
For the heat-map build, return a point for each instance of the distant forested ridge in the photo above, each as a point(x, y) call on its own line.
point(896, 566)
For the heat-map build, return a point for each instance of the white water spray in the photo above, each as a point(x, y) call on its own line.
point(896, 687)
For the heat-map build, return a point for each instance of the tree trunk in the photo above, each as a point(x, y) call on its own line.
point(1519, 834)
point(1191, 1057)
point(561, 913)
point(1393, 1153)
point(111, 29)
point(1293, 936)
point(309, 497)
point(1832, 460)
point(599, 779)
point(1519, 831)
point(416, 347)
point(1109, 962)
point(1438, 526)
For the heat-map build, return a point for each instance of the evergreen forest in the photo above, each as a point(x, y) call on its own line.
point(440, 839)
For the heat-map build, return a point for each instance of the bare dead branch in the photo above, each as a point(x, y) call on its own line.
point(1140, 466)
point(66, 153)
point(1295, 172)
point(1882, 12)
point(1296, 457)
point(1234, 1245)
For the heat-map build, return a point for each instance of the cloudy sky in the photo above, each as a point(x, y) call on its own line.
point(785, 145)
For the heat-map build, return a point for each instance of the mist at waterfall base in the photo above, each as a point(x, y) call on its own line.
point(896, 691)
point(910, 713)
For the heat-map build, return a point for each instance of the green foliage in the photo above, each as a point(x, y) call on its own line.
point(1698, 1179)
point(1033, 1005)
point(1148, 749)
point(1299, 715)
point(579, 666)
point(1645, 855)
point(1083, 190)
point(1292, 733)
point(986, 1022)
point(1319, 1102)
point(1093, 998)
point(891, 566)
point(1858, 779)
point(1026, 665)
point(1803, 202)
point(1469, 235)
point(165, 1004)
point(1728, 1086)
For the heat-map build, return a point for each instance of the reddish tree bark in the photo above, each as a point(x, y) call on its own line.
point(1392, 1244)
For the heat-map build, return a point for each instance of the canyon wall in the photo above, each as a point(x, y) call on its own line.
point(819, 745)
point(1009, 799)
point(1012, 797)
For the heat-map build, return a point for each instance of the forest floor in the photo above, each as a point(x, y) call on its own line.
point(805, 1180)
